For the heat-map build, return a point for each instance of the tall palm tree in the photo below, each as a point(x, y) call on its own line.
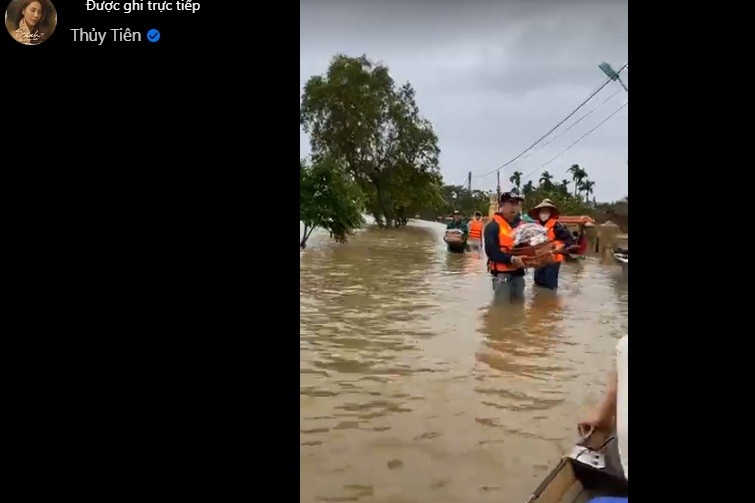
point(528, 188)
point(587, 186)
point(516, 179)
point(578, 174)
point(545, 180)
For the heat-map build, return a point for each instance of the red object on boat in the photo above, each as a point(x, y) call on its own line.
point(581, 248)
point(575, 220)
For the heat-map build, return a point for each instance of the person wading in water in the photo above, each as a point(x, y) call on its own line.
point(458, 224)
point(547, 214)
point(507, 270)
point(475, 233)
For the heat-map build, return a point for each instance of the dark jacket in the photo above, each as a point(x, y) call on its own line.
point(563, 234)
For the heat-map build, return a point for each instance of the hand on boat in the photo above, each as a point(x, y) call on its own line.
point(585, 431)
point(593, 421)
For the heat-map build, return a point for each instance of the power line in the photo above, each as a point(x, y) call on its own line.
point(584, 135)
point(608, 81)
point(575, 141)
point(559, 135)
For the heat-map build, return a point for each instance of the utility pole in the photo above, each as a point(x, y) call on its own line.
point(498, 184)
point(469, 181)
point(613, 75)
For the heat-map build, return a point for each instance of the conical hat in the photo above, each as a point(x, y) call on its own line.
point(546, 203)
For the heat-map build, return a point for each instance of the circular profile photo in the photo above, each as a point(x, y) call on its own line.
point(30, 22)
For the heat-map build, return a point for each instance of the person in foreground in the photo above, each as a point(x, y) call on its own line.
point(507, 270)
point(475, 232)
point(459, 224)
point(546, 213)
point(615, 404)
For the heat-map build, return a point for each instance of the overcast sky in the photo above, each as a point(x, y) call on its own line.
point(492, 77)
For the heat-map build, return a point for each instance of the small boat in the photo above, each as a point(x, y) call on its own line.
point(621, 255)
point(454, 238)
point(576, 220)
point(573, 257)
point(590, 472)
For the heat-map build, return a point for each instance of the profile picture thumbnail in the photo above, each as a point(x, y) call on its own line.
point(31, 22)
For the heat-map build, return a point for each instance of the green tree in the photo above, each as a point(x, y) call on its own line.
point(328, 199)
point(567, 203)
point(457, 197)
point(578, 174)
point(586, 187)
point(516, 179)
point(528, 188)
point(545, 180)
point(355, 114)
point(425, 194)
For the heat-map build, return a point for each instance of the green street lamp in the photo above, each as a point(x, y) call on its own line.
point(613, 75)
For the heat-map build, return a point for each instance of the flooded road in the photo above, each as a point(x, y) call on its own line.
point(414, 388)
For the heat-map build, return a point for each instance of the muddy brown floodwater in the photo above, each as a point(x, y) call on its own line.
point(415, 388)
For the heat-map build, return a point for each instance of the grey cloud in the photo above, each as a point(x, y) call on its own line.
point(491, 76)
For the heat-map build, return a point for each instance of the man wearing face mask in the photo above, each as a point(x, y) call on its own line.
point(507, 270)
point(546, 214)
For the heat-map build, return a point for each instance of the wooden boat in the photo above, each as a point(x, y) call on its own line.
point(573, 257)
point(454, 238)
point(621, 255)
point(591, 470)
point(576, 220)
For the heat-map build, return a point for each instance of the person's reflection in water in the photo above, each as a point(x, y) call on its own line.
point(517, 336)
point(455, 262)
point(545, 312)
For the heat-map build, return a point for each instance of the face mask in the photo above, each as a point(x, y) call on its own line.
point(544, 215)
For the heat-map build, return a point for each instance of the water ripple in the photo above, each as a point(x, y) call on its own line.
point(413, 387)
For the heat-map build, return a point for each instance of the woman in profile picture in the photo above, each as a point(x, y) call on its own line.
point(33, 23)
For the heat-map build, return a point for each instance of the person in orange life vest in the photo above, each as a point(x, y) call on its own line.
point(547, 214)
point(475, 232)
point(507, 270)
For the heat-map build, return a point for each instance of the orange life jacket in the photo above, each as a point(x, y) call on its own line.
point(550, 224)
point(505, 242)
point(475, 229)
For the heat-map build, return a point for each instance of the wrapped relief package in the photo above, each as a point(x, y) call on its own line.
point(531, 234)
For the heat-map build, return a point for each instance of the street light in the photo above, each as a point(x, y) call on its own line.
point(613, 75)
